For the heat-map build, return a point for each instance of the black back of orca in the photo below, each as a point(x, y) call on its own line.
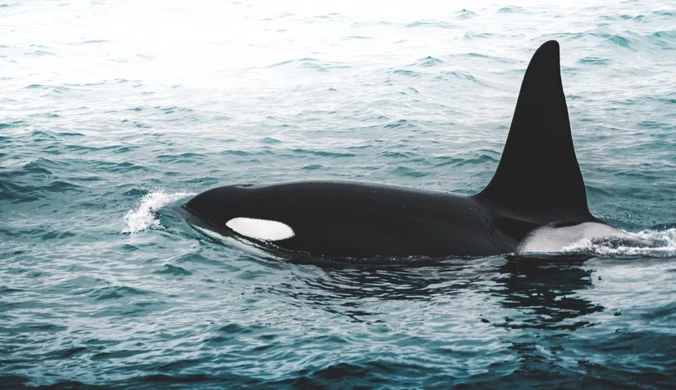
point(538, 182)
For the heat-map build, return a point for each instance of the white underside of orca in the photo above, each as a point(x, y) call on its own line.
point(556, 239)
point(233, 242)
point(260, 229)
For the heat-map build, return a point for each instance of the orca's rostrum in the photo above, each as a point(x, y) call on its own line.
point(536, 201)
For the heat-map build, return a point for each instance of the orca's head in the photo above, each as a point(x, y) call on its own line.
point(234, 209)
point(216, 206)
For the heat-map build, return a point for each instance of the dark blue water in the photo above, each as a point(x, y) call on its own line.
point(113, 111)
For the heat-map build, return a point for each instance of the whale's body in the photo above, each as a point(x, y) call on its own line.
point(536, 200)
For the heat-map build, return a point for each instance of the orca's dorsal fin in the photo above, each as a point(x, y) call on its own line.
point(538, 175)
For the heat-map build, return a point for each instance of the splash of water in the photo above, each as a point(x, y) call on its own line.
point(143, 217)
point(664, 245)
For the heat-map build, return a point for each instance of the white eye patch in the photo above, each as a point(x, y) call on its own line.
point(260, 229)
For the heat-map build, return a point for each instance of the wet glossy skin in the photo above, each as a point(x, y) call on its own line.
point(361, 219)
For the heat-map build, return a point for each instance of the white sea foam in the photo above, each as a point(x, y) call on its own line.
point(143, 217)
point(664, 245)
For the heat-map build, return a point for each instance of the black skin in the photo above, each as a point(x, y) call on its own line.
point(537, 183)
point(352, 219)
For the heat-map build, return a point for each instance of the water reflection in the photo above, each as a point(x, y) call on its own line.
point(544, 290)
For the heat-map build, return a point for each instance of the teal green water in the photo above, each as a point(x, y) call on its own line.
point(113, 111)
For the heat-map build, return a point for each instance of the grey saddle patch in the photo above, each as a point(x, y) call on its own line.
point(555, 239)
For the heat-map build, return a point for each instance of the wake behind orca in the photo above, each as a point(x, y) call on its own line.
point(536, 201)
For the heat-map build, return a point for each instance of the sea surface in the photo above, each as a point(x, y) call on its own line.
point(112, 112)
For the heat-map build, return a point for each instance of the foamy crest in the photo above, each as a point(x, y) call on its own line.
point(143, 217)
point(663, 244)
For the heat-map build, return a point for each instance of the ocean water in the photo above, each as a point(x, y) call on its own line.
point(111, 112)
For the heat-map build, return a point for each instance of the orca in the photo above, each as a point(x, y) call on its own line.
point(535, 202)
